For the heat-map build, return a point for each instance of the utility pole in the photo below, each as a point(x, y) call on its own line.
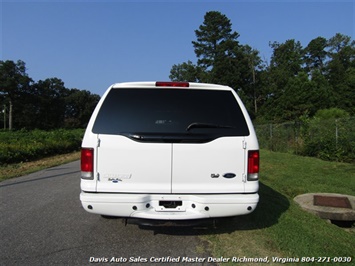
point(252, 67)
point(4, 116)
point(255, 103)
point(10, 116)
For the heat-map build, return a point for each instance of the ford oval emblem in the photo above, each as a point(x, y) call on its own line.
point(229, 175)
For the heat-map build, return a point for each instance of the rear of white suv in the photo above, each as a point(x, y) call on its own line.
point(170, 151)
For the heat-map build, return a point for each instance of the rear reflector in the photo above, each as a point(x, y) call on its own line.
point(253, 165)
point(87, 163)
point(171, 84)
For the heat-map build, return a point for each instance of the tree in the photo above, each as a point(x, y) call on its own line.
point(286, 64)
point(217, 50)
point(214, 39)
point(323, 96)
point(185, 72)
point(14, 82)
point(251, 68)
point(316, 54)
point(46, 104)
point(287, 56)
point(298, 82)
point(222, 60)
point(341, 71)
point(79, 107)
point(50, 105)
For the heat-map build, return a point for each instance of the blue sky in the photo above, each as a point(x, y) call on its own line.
point(92, 44)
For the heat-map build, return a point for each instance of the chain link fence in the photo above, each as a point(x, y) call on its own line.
point(331, 139)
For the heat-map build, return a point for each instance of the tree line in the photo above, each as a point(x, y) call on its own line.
point(45, 104)
point(296, 83)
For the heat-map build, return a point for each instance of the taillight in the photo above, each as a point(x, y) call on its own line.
point(87, 163)
point(253, 165)
point(171, 84)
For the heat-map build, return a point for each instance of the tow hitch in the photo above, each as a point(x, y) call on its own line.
point(170, 204)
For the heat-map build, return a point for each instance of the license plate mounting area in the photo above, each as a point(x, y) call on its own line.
point(170, 205)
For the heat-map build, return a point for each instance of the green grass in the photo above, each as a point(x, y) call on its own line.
point(279, 227)
point(24, 168)
point(293, 175)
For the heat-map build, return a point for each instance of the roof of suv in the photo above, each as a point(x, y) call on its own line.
point(170, 84)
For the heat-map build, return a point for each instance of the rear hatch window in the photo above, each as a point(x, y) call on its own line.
point(170, 115)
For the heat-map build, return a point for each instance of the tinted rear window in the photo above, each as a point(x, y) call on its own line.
point(179, 113)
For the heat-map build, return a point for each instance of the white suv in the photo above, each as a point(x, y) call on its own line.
point(169, 151)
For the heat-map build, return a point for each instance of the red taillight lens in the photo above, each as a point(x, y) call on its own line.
point(171, 84)
point(87, 163)
point(253, 165)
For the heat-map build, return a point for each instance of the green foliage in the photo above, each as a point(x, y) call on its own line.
point(79, 107)
point(23, 145)
point(330, 139)
point(222, 60)
point(298, 81)
point(328, 136)
point(287, 56)
point(185, 72)
point(331, 113)
point(218, 50)
point(214, 39)
point(315, 54)
point(46, 104)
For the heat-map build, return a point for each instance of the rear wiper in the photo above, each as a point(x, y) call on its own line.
point(206, 125)
point(169, 137)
